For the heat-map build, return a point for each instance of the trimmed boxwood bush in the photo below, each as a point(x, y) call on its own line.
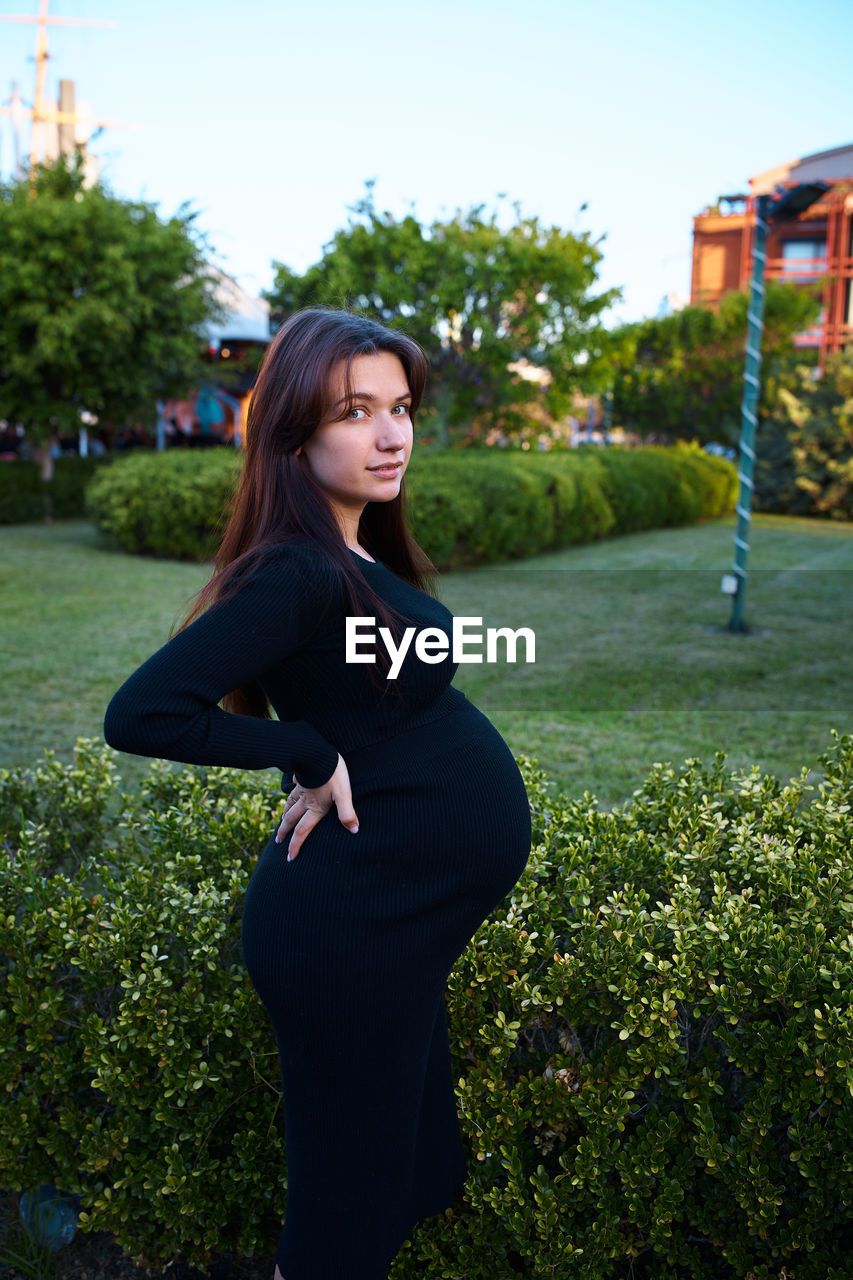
point(655, 487)
point(503, 506)
point(466, 506)
point(165, 504)
point(652, 1035)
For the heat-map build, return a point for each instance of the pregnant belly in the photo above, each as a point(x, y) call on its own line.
point(454, 783)
point(444, 834)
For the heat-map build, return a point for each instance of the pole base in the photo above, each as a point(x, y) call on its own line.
point(743, 630)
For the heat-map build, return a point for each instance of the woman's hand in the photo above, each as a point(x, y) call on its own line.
point(306, 806)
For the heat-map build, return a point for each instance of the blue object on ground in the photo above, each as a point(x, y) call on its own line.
point(49, 1216)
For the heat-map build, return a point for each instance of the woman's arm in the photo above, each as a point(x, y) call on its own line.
point(168, 707)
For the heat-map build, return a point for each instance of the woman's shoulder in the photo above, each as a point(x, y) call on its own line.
point(300, 560)
point(299, 550)
point(278, 585)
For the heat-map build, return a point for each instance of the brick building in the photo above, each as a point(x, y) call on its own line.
point(818, 245)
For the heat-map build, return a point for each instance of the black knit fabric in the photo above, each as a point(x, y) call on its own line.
point(349, 946)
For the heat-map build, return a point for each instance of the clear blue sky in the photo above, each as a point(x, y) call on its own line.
point(268, 117)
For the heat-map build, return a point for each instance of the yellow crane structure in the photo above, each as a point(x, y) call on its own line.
point(43, 111)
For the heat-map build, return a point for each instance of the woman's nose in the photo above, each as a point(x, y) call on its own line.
point(391, 434)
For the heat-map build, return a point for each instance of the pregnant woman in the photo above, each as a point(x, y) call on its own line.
point(407, 820)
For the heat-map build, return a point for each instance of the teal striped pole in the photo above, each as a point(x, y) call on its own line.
point(749, 411)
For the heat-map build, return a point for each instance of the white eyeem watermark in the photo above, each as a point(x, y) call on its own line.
point(432, 644)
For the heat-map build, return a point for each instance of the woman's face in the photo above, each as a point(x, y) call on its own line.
point(360, 450)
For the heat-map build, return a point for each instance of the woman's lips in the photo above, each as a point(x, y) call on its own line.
point(389, 471)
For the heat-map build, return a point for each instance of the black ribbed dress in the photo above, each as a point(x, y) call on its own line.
point(349, 946)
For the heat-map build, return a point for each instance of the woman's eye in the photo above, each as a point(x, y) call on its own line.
point(404, 409)
point(353, 414)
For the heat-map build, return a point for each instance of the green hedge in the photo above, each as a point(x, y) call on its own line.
point(652, 1036)
point(22, 495)
point(165, 504)
point(67, 489)
point(25, 497)
point(655, 487)
point(466, 506)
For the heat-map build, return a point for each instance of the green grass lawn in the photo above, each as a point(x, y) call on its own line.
point(633, 663)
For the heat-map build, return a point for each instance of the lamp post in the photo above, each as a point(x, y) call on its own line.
point(786, 205)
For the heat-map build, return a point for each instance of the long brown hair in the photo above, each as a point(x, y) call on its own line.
point(277, 499)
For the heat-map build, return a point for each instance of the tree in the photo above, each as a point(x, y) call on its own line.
point(682, 375)
point(101, 304)
point(507, 318)
point(805, 460)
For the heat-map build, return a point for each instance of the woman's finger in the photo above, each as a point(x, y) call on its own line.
point(292, 812)
point(306, 824)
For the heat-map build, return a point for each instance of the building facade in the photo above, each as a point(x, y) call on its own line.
point(816, 246)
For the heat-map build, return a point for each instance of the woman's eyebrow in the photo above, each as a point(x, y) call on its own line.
point(368, 395)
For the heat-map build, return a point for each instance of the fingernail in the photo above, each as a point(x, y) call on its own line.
point(290, 857)
point(354, 829)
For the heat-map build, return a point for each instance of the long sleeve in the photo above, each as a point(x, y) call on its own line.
point(169, 707)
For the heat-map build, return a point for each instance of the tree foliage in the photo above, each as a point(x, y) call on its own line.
point(101, 303)
point(805, 447)
point(484, 303)
point(681, 375)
